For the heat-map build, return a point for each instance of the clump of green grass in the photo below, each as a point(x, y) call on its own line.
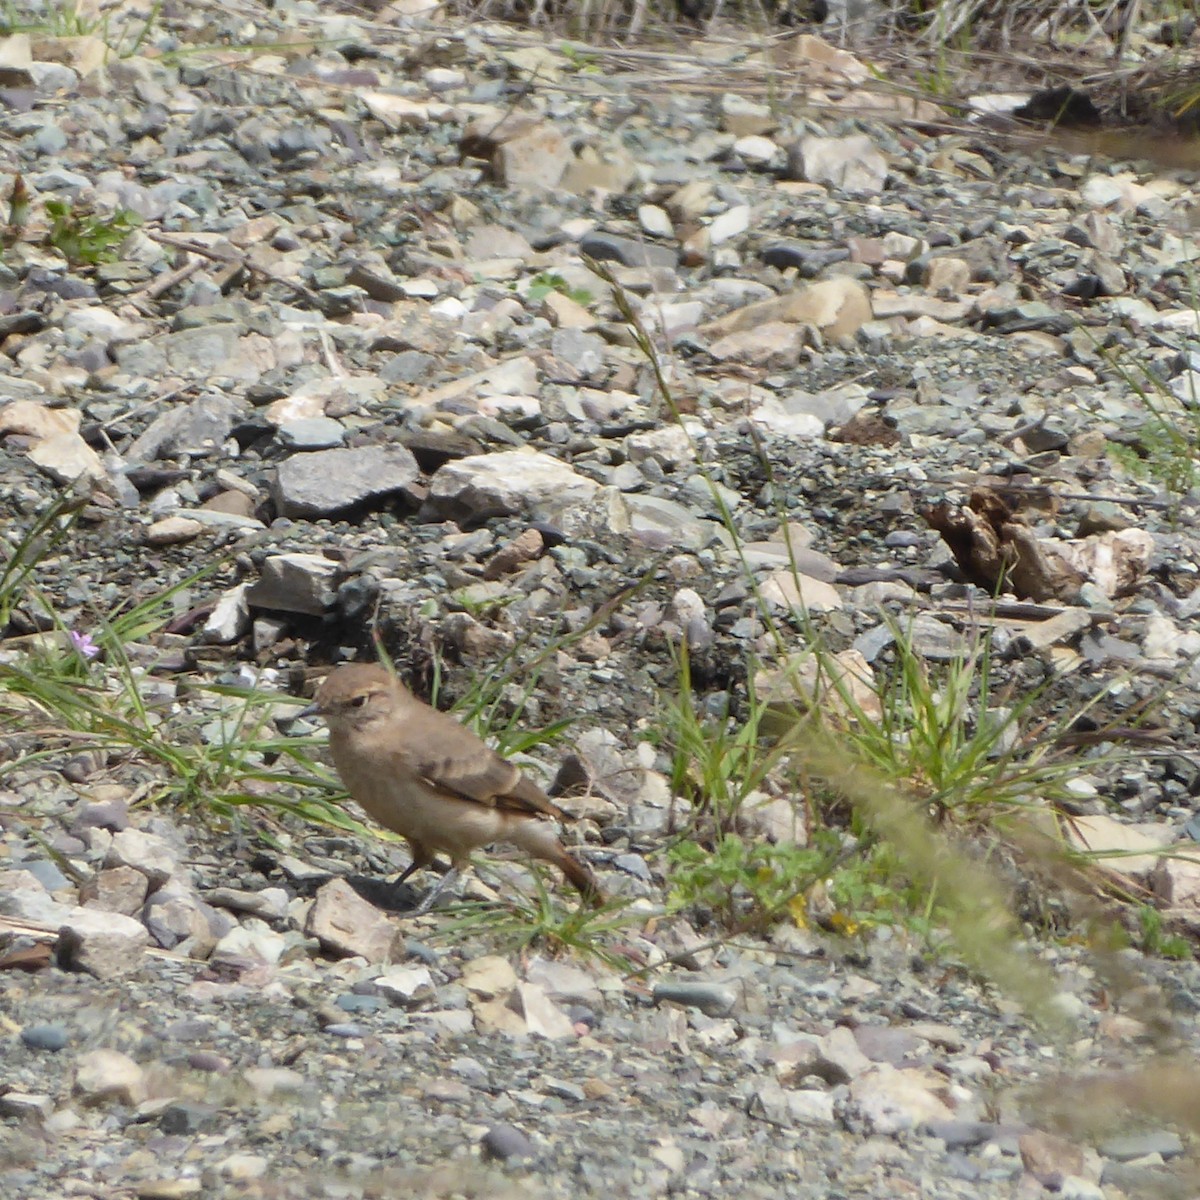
point(1156, 940)
point(958, 745)
point(67, 19)
point(718, 762)
point(48, 529)
point(72, 689)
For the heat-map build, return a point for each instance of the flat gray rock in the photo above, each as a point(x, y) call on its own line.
point(329, 481)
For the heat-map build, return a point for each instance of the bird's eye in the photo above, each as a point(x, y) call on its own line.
point(358, 701)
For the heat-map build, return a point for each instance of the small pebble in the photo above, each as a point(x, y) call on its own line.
point(352, 1003)
point(564, 1089)
point(210, 1061)
point(44, 1037)
point(712, 999)
point(506, 1143)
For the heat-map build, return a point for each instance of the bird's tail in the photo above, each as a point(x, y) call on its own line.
point(538, 838)
point(580, 877)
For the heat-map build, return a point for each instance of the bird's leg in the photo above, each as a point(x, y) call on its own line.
point(431, 896)
point(402, 895)
point(412, 868)
point(421, 857)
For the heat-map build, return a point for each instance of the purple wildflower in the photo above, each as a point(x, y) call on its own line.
point(84, 646)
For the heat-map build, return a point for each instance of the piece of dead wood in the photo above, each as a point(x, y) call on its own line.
point(233, 259)
point(995, 548)
point(39, 933)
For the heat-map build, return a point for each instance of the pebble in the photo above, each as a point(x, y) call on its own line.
point(713, 999)
point(359, 1004)
point(346, 1029)
point(507, 1143)
point(45, 1037)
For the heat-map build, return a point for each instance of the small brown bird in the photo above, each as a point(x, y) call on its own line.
point(421, 774)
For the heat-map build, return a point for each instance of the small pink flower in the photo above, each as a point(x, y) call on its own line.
point(84, 646)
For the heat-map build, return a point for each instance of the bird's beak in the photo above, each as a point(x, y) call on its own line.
point(285, 723)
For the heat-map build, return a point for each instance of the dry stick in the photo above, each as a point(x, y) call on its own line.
point(331, 359)
point(1019, 610)
point(148, 406)
point(1045, 489)
point(235, 260)
point(140, 297)
point(164, 283)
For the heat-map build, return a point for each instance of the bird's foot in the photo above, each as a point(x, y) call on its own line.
point(431, 897)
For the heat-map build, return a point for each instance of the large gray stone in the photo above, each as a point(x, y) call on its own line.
point(328, 481)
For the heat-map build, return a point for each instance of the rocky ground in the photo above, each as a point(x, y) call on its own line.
point(363, 355)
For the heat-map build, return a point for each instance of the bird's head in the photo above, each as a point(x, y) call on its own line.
point(354, 695)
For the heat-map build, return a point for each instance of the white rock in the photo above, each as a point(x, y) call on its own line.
point(851, 164)
point(405, 985)
point(253, 940)
point(36, 420)
point(66, 457)
point(103, 944)
point(756, 149)
point(102, 1075)
point(512, 481)
point(564, 981)
point(543, 1017)
point(171, 531)
point(669, 446)
point(729, 224)
point(489, 976)
point(772, 416)
point(894, 1101)
point(1135, 845)
point(144, 852)
point(783, 589)
point(396, 112)
point(346, 924)
point(655, 221)
point(229, 619)
point(294, 583)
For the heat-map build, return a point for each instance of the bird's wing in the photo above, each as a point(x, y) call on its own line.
point(448, 756)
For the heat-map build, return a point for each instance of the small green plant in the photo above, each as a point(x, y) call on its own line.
point(545, 282)
point(717, 762)
point(85, 238)
point(870, 889)
point(1156, 940)
point(87, 694)
point(581, 60)
point(747, 885)
point(477, 601)
point(1168, 453)
point(56, 19)
point(540, 920)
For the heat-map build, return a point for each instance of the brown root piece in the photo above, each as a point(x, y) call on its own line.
point(995, 548)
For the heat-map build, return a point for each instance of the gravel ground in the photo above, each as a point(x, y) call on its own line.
point(356, 360)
